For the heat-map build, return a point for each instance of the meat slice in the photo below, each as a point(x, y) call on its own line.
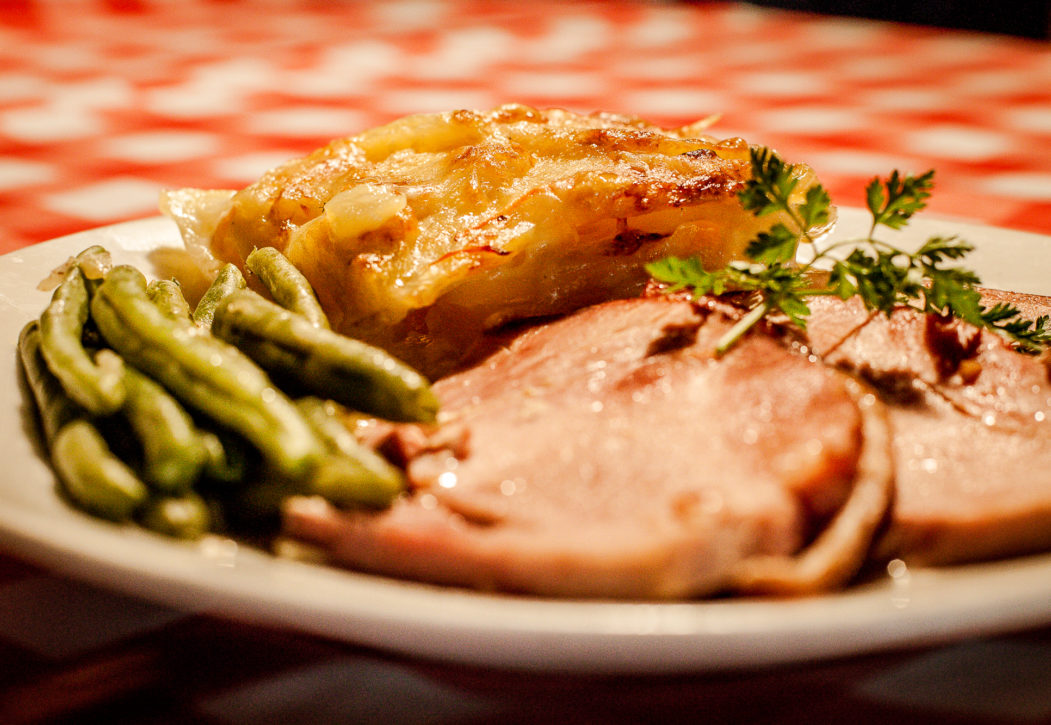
point(972, 439)
point(609, 454)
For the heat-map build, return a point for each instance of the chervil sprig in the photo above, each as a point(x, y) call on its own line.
point(882, 275)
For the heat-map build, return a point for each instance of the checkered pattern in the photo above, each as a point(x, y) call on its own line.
point(75, 654)
point(102, 104)
point(105, 103)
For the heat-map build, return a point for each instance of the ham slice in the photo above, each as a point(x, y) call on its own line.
point(972, 439)
point(609, 454)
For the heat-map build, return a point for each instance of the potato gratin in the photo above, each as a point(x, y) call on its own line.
point(421, 234)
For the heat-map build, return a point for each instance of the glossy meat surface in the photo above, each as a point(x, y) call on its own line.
point(609, 454)
point(972, 439)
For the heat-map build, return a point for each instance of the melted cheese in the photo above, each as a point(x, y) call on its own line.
point(421, 234)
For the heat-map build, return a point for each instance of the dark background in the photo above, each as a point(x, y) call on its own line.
point(1026, 19)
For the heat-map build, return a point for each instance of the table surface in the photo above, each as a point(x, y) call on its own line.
point(105, 103)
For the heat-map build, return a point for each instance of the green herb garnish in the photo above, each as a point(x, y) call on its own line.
point(884, 276)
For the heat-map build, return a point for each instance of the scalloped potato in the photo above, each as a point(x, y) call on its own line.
point(422, 234)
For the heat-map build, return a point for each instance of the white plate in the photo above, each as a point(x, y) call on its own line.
point(220, 576)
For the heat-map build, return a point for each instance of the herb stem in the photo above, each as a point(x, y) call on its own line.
point(855, 243)
point(742, 326)
point(804, 231)
point(884, 276)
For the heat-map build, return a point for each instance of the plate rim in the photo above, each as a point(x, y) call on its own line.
point(508, 631)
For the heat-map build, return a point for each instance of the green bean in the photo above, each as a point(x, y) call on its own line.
point(92, 477)
point(184, 517)
point(228, 457)
point(95, 479)
point(322, 362)
point(174, 451)
point(286, 284)
point(53, 405)
point(327, 417)
point(357, 474)
point(347, 482)
point(167, 294)
point(204, 373)
point(94, 263)
point(97, 385)
point(228, 279)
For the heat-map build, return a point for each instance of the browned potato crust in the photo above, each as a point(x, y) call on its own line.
point(423, 233)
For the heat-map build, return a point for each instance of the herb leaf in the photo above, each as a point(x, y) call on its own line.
point(775, 246)
point(687, 274)
point(893, 202)
point(771, 184)
point(815, 211)
point(883, 276)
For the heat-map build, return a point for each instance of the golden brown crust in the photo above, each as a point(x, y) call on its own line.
point(420, 234)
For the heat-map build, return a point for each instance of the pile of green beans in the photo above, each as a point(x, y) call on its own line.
point(186, 419)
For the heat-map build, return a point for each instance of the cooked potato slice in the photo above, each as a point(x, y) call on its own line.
point(421, 234)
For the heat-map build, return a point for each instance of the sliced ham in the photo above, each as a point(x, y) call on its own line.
point(972, 435)
point(609, 454)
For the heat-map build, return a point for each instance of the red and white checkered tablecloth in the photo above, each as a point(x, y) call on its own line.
point(103, 103)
